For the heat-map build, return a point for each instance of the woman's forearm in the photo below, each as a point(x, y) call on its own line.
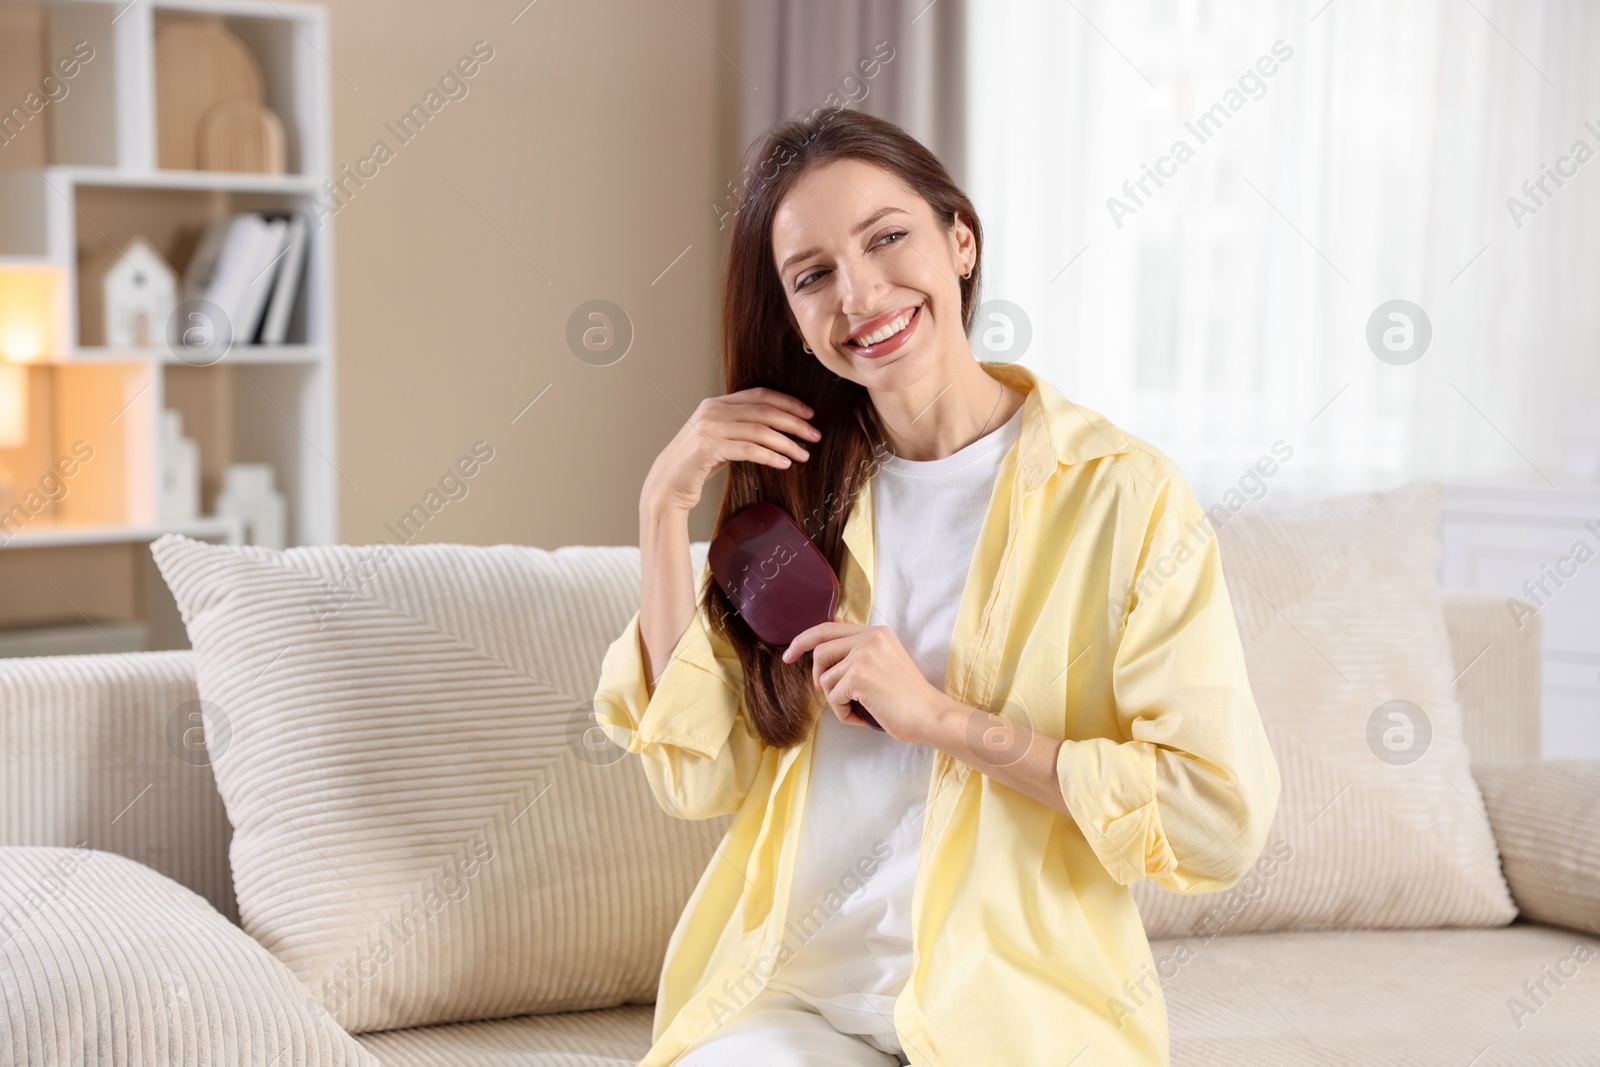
point(666, 584)
point(1005, 750)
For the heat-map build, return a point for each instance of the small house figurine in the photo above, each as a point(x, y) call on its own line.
point(247, 494)
point(127, 296)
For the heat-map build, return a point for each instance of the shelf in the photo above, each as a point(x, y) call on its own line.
point(261, 9)
point(193, 180)
point(268, 9)
point(292, 354)
point(51, 535)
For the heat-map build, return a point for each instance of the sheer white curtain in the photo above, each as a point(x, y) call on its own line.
point(1229, 310)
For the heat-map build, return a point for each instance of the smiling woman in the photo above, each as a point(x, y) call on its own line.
point(1038, 752)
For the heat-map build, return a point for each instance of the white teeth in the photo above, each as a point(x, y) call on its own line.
point(883, 333)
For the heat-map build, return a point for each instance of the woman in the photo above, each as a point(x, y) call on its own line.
point(1033, 609)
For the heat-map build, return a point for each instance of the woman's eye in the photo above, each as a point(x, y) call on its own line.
point(806, 280)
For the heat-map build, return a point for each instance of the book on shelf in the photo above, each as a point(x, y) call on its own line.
point(275, 327)
point(250, 266)
point(266, 254)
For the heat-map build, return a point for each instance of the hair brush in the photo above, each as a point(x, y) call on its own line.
point(779, 583)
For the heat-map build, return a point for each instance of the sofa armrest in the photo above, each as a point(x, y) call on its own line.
point(1546, 820)
point(99, 751)
point(1496, 646)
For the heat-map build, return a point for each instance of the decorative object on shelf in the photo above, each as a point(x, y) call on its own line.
point(179, 491)
point(13, 424)
point(126, 297)
point(241, 135)
point(209, 110)
point(247, 494)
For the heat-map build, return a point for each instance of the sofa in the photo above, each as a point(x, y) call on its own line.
point(187, 837)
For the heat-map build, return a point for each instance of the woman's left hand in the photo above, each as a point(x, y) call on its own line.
point(869, 664)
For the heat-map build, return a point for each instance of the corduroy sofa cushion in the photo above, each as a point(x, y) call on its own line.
point(1380, 823)
point(103, 960)
point(428, 825)
point(1546, 817)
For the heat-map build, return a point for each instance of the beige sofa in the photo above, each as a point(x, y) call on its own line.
point(86, 760)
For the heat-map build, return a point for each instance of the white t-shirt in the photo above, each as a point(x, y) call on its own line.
point(849, 917)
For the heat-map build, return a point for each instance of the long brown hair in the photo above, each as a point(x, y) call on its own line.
point(761, 348)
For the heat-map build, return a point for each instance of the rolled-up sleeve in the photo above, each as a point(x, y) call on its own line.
point(700, 749)
point(1187, 793)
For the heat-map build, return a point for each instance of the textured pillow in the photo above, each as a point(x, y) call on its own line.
point(1546, 817)
point(1379, 820)
point(428, 824)
point(103, 960)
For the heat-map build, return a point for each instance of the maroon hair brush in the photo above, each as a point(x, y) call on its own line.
point(779, 583)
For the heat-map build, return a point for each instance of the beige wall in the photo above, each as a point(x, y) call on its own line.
point(592, 141)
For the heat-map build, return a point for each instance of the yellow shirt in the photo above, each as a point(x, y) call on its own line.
point(1096, 611)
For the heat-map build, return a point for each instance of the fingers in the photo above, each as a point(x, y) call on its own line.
point(810, 638)
point(751, 452)
point(832, 655)
point(830, 665)
point(778, 410)
point(742, 439)
point(783, 420)
point(754, 425)
point(770, 438)
point(829, 675)
point(829, 680)
point(763, 395)
point(750, 426)
point(823, 652)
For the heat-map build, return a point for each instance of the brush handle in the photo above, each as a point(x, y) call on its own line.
point(855, 706)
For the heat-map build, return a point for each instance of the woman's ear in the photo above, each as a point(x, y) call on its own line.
point(964, 244)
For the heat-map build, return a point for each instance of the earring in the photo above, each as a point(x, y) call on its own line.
point(807, 348)
point(968, 274)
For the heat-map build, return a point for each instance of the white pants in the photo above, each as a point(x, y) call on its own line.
point(778, 1030)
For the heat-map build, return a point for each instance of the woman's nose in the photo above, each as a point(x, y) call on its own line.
point(861, 286)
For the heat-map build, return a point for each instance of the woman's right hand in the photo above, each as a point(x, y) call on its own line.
point(749, 425)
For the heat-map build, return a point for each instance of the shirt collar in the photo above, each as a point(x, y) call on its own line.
point(1055, 431)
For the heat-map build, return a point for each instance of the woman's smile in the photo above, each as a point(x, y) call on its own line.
point(886, 333)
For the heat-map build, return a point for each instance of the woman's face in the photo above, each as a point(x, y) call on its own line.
point(858, 254)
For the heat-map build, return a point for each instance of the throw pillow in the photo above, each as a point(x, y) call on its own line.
point(428, 824)
point(1379, 821)
point(103, 960)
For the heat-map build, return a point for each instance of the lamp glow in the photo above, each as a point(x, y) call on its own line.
point(21, 342)
point(30, 312)
point(13, 406)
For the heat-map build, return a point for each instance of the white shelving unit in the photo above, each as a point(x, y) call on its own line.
point(101, 184)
